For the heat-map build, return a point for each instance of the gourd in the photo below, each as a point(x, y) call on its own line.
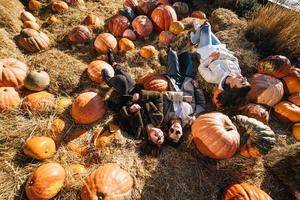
point(147, 51)
point(287, 111)
point(40, 147)
point(277, 66)
point(37, 80)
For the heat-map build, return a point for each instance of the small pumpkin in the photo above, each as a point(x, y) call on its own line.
point(277, 66)
point(131, 4)
point(126, 45)
point(39, 101)
point(104, 42)
point(295, 98)
point(166, 37)
point(198, 14)
point(145, 7)
point(292, 81)
point(27, 16)
point(296, 131)
point(88, 108)
point(95, 70)
point(52, 20)
point(255, 111)
point(31, 24)
point(59, 6)
point(45, 182)
point(34, 5)
point(37, 80)
point(142, 25)
point(129, 34)
point(93, 21)
point(155, 82)
point(265, 89)
point(109, 181)
point(12, 72)
point(104, 136)
point(39, 147)
point(163, 16)
point(33, 40)
point(245, 191)
point(215, 135)
point(62, 104)
point(79, 34)
point(78, 142)
point(287, 111)
point(58, 127)
point(181, 8)
point(118, 24)
point(128, 13)
point(147, 51)
point(9, 98)
point(176, 27)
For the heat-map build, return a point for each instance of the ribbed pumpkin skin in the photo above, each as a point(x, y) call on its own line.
point(295, 98)
point(77, 142)
point(9, 98)
point(59, 6)
point(147, 51)
point(265, 89)
point(126, 45)
point(215, 135)
point(104, 42)
point(292, 82)
point(131, 4)
point(163, 16)
point(277, 66)
point(12, 72)
point(142, 25)
point(38, 101)
point(110, 182)
point(88, 108)
point(166, 37)
point(33, 40)
point(40, 148)
point(287, 111)
point(118, 24)
point(79, 34)
point(198, 14)
point(31, 24)
point(45, 182)
point(27, 16)
point(37, 80)
point(155, 82)
point(256, 111)
point(145, 7)
point(256, 137)
point(93, 21)
point(245, 191)
point(95, 70)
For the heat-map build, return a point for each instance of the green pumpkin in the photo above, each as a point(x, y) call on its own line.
point(37, 80)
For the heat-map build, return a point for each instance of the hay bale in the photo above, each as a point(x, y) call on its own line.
point(9, 15)
point(7, 47)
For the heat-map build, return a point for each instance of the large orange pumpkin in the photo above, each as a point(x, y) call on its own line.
point(166, 37)
point(118, 24)
point(45, 182)
point(142, 25)
point(12, 72)
point(295, 98)
point(78, 142)
point(155, 82)
point(109, 181)
point(215, 135)
point(255, 111)
point(39, 147)
point(277, 66)
point(104, 42)
point(265, 89)
point(245, 191)
point(126, 45)
point(88, 108)
point(33, 40)
point(39, 101)
point(9, 98)
point(292, 81)
point(163, 16)
point(95, 70)
point(287, 111)
point(147, 51)
point(145, 7)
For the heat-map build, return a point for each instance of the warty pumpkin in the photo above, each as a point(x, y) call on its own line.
point(256, 138)
point(277, 66)
point(40, 147)
point(181, 8)
point(176, 27)
point(59, 6)
point(31, 24)
point(245, 191)
point(163, 16)
point(95, 70)
point(128, 13)
point(287, 111)
point(147, 51)
point(9, 98)
point(155, 82)
point(145, 7)
point(93, 21)
point(80, 34)
point(34, 5)
point(296, 131)
point(58, 127)
point(33, 40)
point(215, 135)
point(292, 81)
point(45, 182)
point(118, 24)
point(126, 45)
point(38, 101)
point(78, 142)
point(109, 181)
point(256, 111)
point(27, 16)
point(88, 108)
point(142, 25)
point(198, 14)
point(104, 42)
point(129, 34)
point(265, 89)
point(295, 98)
point(166, 37)
point(37, 80)
point(12, 72)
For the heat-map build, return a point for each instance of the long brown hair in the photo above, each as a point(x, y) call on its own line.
point(233, 96)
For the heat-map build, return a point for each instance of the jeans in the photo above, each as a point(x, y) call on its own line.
point(206, 36)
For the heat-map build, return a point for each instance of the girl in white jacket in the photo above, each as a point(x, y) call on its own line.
point(218, 65)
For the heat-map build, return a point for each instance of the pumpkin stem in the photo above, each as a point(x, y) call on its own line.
point(100, 196)
point(5, 90)
point(31, 182)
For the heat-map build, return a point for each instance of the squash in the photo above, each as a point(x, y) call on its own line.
point(256, 111)
point(37, 80)
point(58, 127)
point(145, 7)
point(12, 72)
point(155, 82)
point(176, 27)
point(166, 37)
point(131, 4)
point(93, 21)
point(27, 16)
point(277, 66)
point(80, 34)
point(147, 51)
point(118, 24)
point(31, 24)
point(245, 191)
point(33, 40)
point(265, 89)
point(59, 6)
point(104, 42)
point(126, 45)
point(78, 142)
point(34, 5)
point(109, 181)
point(39, 147)
point(95, 71)
point(215, 135)
point(88, 108)
point(45, 182)
point(292, 81)
point(142, 25)
point(287, 111)
point(296, 131)
point(52, 20)
point(39, 101)
point(129, 34)
point(104, 136)
point(163, 16)
point(256, 138)
point(9, 98)
point(128, 13)
point(181, 8)
point(198, 14)
point(295, 98)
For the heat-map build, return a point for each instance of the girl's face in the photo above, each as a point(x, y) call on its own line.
point(156, 136)
point(238, 82)
point(175, 132)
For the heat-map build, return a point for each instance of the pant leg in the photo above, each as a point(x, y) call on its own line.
point(119, 83)
point(205, 35)
point(188, 90)
point(173, 70)
point(131, 84)
point(186, 65)
point(214, 39)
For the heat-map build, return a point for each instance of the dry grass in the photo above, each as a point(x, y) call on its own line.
point(9, 15)
point(7, 46)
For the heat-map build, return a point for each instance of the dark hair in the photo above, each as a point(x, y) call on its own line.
point(170, 142)
point(149, 148)
point(233, 96)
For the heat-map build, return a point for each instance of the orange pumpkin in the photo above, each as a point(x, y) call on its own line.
point(88, 108)
point(295, 98)
point(45, 182)
point(33, 40)
point(163, 16)
point(287, 111)
point(142, 25)
point(155, 82)
point(292, 81)
point(176, 27)
point(181, 8)
point(34, 5)
point(166, 37)
point(198, 14)
point(126, 45)
point(215, 135)
point(95, 70)
point(277, 66)
point(131, 4)
point(58, 128)
point(104, 42)
point(9, 98)
point(27, 16)
point(31, 24)
point(215, 100)
point(78, 142)
point(245, 191)
point(265, 89)
point(145, 7)
point(59, 6)
point(129, 34)
point(79, 34)
point(104, 136)
point(39, 101)
point(147, 51)
point(12, 72)
point(118, 24)
point(255, 111)
point(93, 21)
point(109, 181)
point(40, 148)
point(296, 131)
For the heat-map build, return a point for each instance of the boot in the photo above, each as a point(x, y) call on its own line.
point(110, 55)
